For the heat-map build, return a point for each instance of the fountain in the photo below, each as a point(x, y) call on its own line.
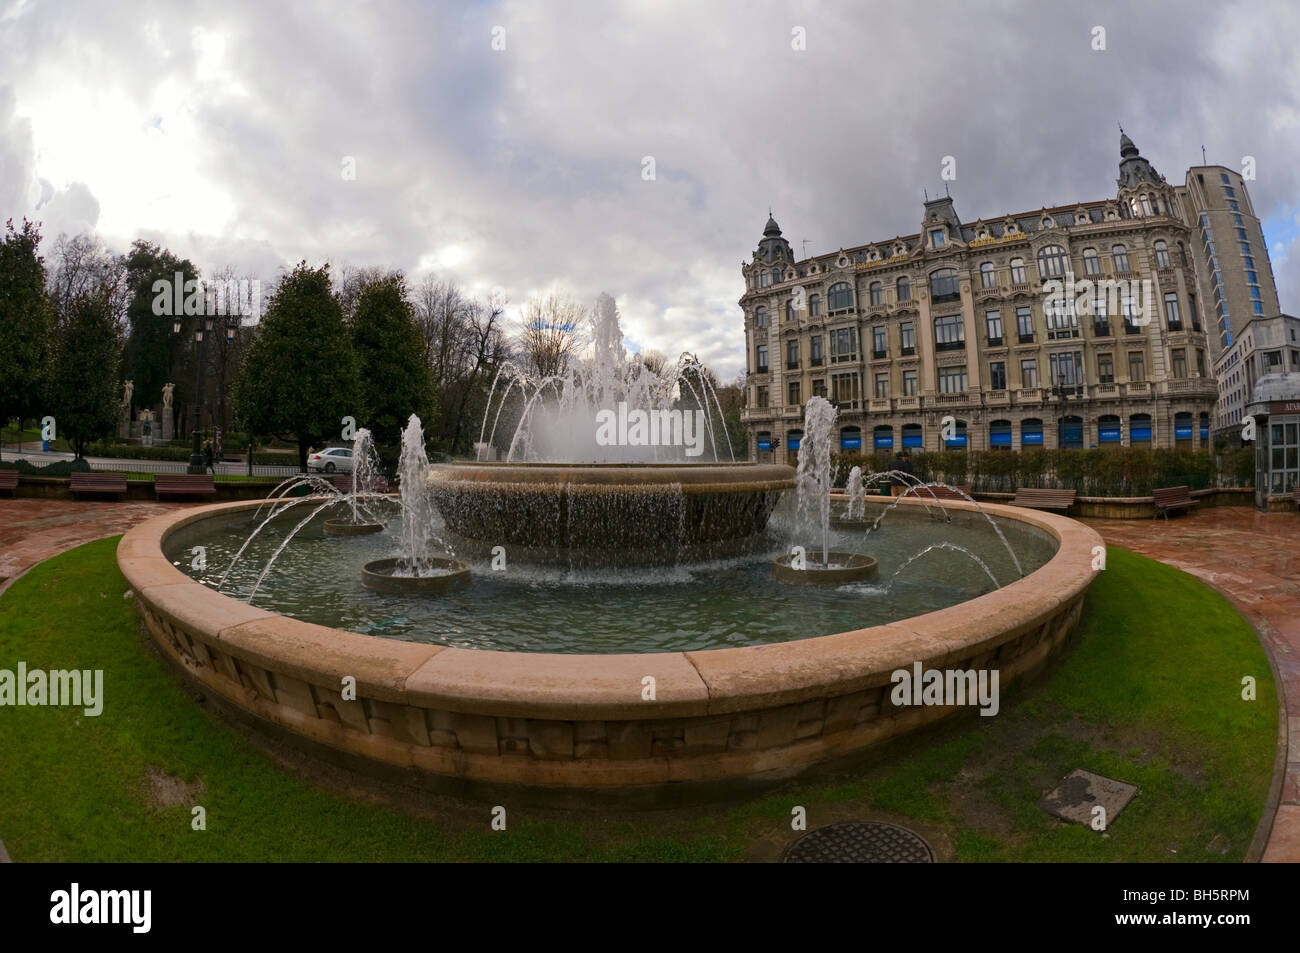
point(813, 486)
point(365, 470)
point(625, 637)
point(417, 568)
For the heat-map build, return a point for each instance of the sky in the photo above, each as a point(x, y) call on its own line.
point(626, 146)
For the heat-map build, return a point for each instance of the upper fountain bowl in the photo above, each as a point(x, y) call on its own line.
point(651, 510)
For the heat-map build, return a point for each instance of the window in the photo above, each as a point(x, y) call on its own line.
point(1105, 369)
point(1162, 254)
point(1172, 318)
point(764, 280)
point(1029, 372)
point(1018, 271)
point(1229, 191)
point(882, 386)
point(907, 337)
point(904, 289)
point(844, 388)
point(952, 380)
point(1179, 355)
point(998, 375)
point(1100, 316)
point(760, 316)
point(1136, 367)
point(1065, 368)
point(789, 311)
point(1052, 261)
point(794, 394)
point(993, 320)
point(819, 387)
point(948, 333)
point(1025, 324)
point(814, 305)
point(1232, 204)
point(1058, 314)
point(877, 294)
point(988, 277)
point(909, 383)
point(792, 353)
point(936, 238)
point(1120, 254)
point(1236, 220)
point(1128, 308)
point(1223, 177)
point(1000, 435)
point(879, 343)
point(943, 285)
point(776, 276)
point(815, 351)
point(840, 296)
point(844, 345)
point(1091, 262)
point(1200, 361)
point(762, 359)
point(762, 397)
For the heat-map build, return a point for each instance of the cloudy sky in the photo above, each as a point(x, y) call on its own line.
point(504, 145)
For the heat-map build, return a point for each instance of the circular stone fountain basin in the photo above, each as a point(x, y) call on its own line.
point(549, 506)
point(840, 568)
point(442, 575)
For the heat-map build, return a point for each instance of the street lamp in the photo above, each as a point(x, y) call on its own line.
point(202, 325)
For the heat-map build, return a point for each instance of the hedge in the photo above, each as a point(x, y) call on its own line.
point(60, 468)
point(180, 454)
point(1126, 471)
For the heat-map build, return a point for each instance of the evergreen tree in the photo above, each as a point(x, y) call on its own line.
point(25, 324)
point(84, 372)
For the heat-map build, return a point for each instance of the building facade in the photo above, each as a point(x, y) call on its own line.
point(1260, 347)
point(1074, 326)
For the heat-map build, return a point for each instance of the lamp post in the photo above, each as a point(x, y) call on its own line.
point(203, 324)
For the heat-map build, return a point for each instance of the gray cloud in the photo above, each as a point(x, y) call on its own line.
point(523, 168)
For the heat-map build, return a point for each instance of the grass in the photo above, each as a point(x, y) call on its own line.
point(1150, 694)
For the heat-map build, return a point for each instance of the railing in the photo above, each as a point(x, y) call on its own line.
point(227, 470)
point(909, 403)
point(879, 405)
point(1029, 395)
point(1025, 338)
point(1138, 387)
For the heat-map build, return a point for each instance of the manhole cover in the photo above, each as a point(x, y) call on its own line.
point(859, 842)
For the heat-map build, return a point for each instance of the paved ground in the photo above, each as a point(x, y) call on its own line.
point(1252, 558)
point(35, 529)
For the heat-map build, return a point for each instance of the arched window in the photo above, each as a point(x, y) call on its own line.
point(789, 310)
point(1162, 254)
point(1139, 429)
point(760, 317)
point(877, 294)
point(1071, 433)
point(1018, 276)
point(814, 305)
point(1120, 254)
point(1091, 262)
point(1052, 261)
point(1000, 435)
point(943, 285)
point(850, 438)
point(1109, 430)
point(1144, 203)
point(840, 296)
point(776, 276)
point(912, 436)
point(882, 438)
point(958, 440)
point(988, 277)
point(904, 289)
point(1031, 432)
point(1183, 432)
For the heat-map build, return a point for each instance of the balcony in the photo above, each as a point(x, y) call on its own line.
point(1025, 338)
point(879, 355)
point(995, 342)
point(879, 405)
point(761, 369)
point(1195, 386)
point(998, 398)
point(907, 351)
point(791, 411)
point(950, 400)
point(950, 345)
point(1029, 395)
point(1100, 330)
point(1108, 389)
point(909, 403)
point(1137, 389)
point(816, 362)
point(792, 365)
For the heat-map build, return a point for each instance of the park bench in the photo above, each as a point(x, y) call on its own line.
point(1169, 498)
point(9, 480)
point(343, 483)
point(114, 483)
point(1044, 499)
point(1295, 496)
point(940, 492)
point(183, 484)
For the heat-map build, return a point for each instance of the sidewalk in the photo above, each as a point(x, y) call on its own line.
point(1252, 558)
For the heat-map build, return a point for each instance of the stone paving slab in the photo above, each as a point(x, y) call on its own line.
point(1253, 558)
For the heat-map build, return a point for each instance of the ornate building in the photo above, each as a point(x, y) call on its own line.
point(1074, 326)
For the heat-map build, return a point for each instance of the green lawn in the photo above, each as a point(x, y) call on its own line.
point(1149, 694)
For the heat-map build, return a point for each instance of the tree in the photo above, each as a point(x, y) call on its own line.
point(25, 323)
point(392, 362)
point(299, 379)
point(152, 357)
point(82, 265)
point(487, 349)
point(548, 337)
point(83, 375)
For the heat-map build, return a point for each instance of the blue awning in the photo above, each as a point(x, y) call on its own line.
point(792, 443)
point(1183, 433)
point(957, 441)
point(850, 443)
point(765, 445)
point(1140, 434)
point(1031, 436)
point(1108, 435)
point(1000, 438)
point(911, 440)
point(884, 441)
point(1205, 433)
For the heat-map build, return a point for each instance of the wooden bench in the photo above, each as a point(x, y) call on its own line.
point(1044, 499)
point(343, 483)
point(940, 492)
point(183, 484)
point(9, 480)
point(114, 483)
point(1171, 498)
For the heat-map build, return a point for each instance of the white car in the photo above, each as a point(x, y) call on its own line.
point(332, 460)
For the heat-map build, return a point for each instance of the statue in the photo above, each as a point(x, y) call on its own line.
point(127, 390)
point(167, 395)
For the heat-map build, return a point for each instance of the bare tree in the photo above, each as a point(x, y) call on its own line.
point(548, 335)
point(83, 266)
point(654, 361)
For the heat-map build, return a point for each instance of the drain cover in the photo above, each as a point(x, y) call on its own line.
point(859, 842)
